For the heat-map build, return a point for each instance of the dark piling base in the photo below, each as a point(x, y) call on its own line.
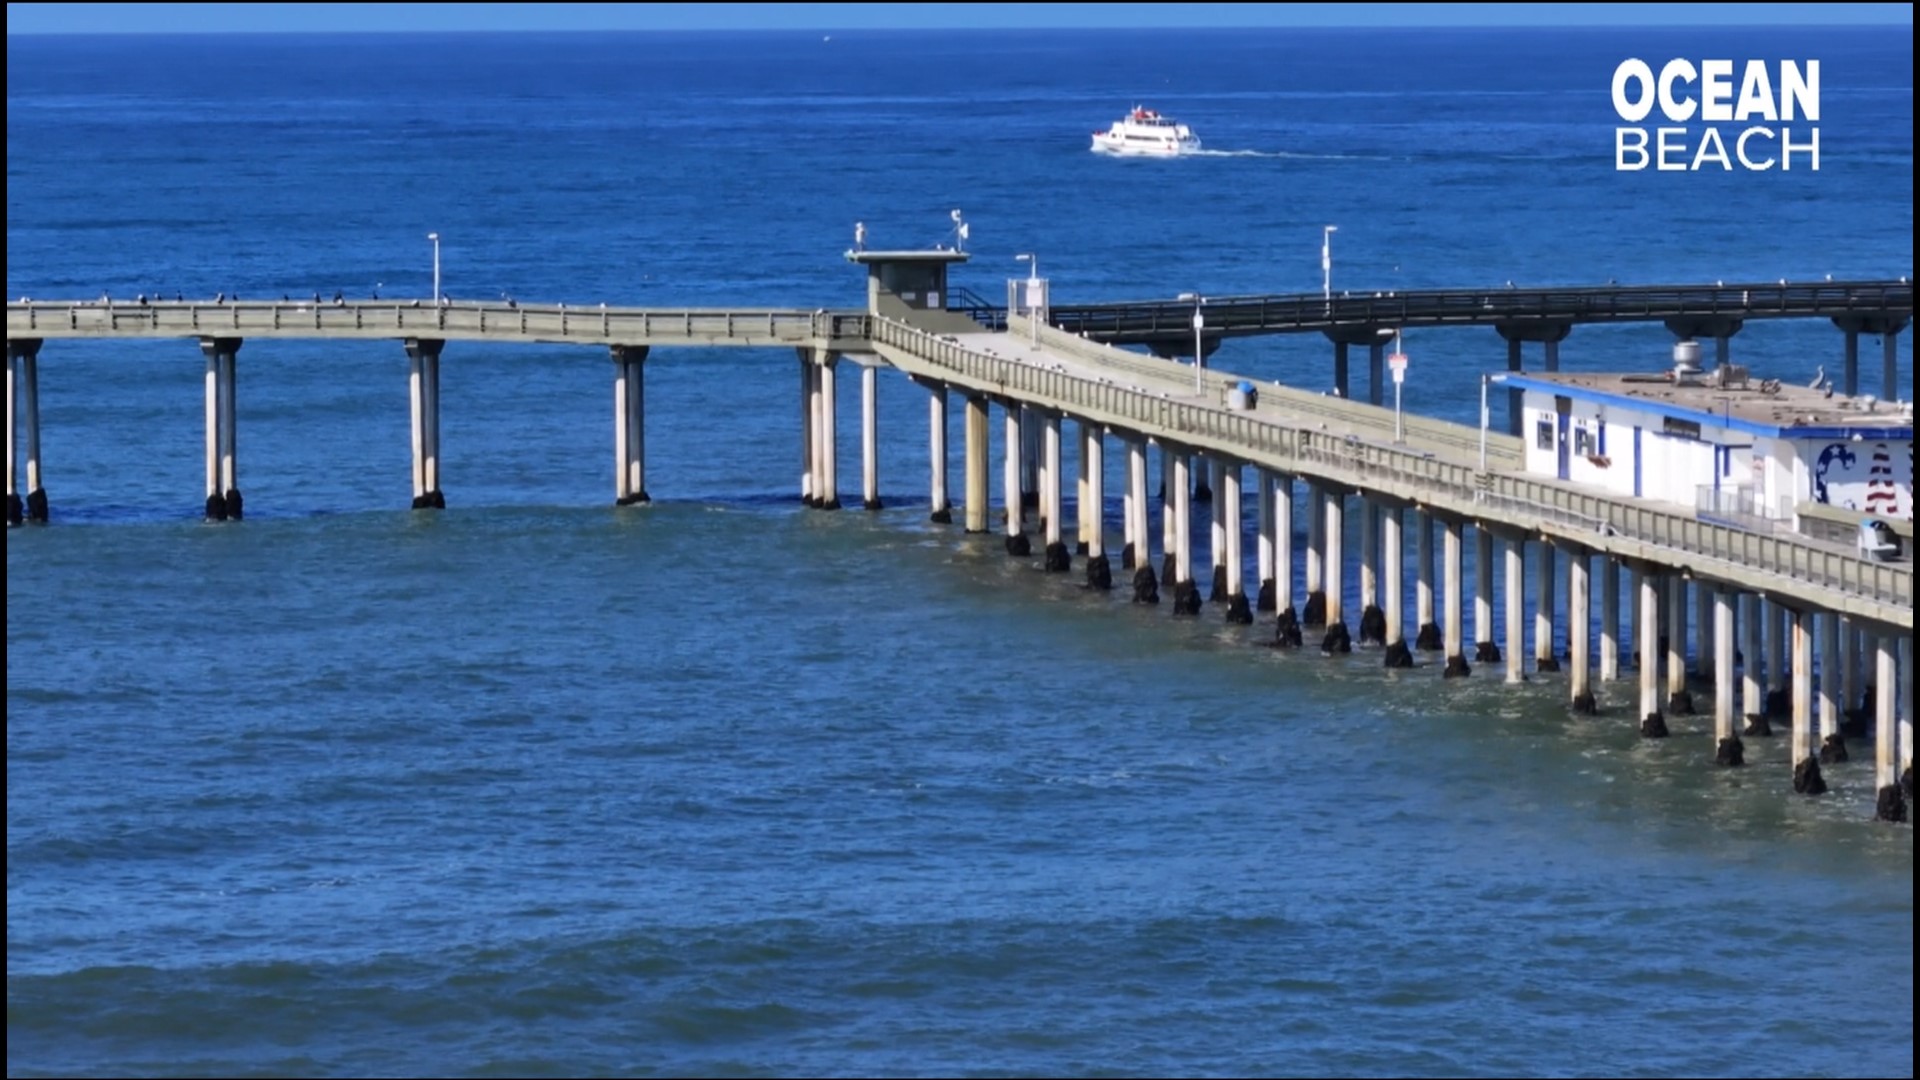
point(1891, 805)
point(1456, 668)
point(426, 501)
point(1019, 546)
point(440, 500)
point(1337, 641)
point(1186, 599)
point(1373, 626)
point(1399, 656)
point(1058, 561)
point(1286, 630)
point(1486, 652)
point(1807, 779)
point(1146, 587)
point(37, 506)
point(1099, 572)
point(1546, 665)
point(1779, 704)
point(216, 508)
point(943, 516)
point(1316, 612)
point(1429, 639)
point(1584, 704)
point(1906, 782)
point(1731, 752)
point(809, 502)
point(1758, 726)
point(1680, 703)
point(872, 504)
point(824, 504)
point(1127, 557)
point(1218, 593)
point(1833, 750)
point(1653, 726)
point(16, 511)
point(1264, 602)
point(1238, 611)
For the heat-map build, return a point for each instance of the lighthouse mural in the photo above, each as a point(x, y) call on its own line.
point(1871, 477)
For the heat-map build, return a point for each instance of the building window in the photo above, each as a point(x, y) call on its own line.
point(1543, 437)
point(1582, 441)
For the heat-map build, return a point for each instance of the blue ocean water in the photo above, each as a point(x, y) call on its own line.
point(723, 786)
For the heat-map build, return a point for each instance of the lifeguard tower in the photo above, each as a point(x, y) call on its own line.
point(911, 286)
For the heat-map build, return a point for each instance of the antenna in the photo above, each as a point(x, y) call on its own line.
point(960, 231)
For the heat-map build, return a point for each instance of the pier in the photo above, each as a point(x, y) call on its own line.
point(1776, 621)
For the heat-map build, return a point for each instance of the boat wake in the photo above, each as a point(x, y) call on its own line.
point(1285, 155)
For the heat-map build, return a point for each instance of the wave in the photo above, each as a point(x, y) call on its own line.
point(1287, 154)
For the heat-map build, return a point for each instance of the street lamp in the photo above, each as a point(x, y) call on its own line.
point(1199, 353)
point(1326, 264)
point(1485, 381)
point(1033, 293)
point(435, 237)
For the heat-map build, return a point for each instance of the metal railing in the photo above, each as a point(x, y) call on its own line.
point(533, 322)
point(1299, 312)
point(1630, 528)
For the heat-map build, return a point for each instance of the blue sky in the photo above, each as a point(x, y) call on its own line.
point(337, 18)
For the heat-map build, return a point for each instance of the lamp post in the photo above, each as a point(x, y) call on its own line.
point(1326, 264)
point(1033, 293)
point(1486, 381)
point(435, 237)
point(1199, 350)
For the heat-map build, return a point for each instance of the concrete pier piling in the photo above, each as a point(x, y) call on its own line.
point(1453, 637)
point(1427, 638)
point(1679, 698)
point(976, 466)
point(1752, 648)
point(1029, 458)
point(1393, 552)
point(1373, 620)
point(1806, 767)
point(1315, 614)
point(1579, 633)
point(1833, 747)
point(1094, 502)
point(1516, 608)
point(1728, 749)
point(1544, 659)
point(1186, 596)
point(1485, 649)
point(1057, 559)
point(1010, 491)
point(1338, 638)
point(1238, 610)
point(869, 438)
point(1263, 543)
point(1286, 624)
point(940, 507)
point(1609, 618)
point(1653, 723)
point(629, 427)
point(1217, 592)
point(1138, 553)
point(809, 394)
point(827, 484)
point(1082, 499)
point(1892, 732)
point(223, 480)
point(23, 382)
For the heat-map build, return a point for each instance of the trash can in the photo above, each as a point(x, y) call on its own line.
point(1242, 395)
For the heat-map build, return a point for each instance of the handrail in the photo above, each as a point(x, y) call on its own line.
point(1630, 527)
point(377, 318)
point(1301, 312)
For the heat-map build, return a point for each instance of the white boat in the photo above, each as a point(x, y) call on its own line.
point(1145, 133)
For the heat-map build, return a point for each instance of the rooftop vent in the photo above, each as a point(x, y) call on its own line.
point(1686, 363)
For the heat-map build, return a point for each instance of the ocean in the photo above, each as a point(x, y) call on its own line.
point(724, 786)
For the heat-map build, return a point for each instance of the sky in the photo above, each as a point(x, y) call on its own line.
point(337, 18)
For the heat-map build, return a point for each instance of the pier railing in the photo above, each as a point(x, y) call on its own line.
point(1628, 528)
point(1230, 315)
point(388, 319)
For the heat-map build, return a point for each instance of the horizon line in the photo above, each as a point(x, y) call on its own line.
point(378, 32)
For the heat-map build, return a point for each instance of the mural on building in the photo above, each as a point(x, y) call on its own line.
point(1876, 478)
